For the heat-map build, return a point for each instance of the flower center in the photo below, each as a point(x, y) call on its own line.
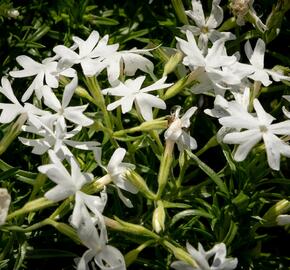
point(263, 129)
point(204, 29)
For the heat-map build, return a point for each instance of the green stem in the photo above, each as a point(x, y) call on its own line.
point(95, 91)
point(12, 133)
point(180, 11)
point(164, 168)
point(31, 206)
point(120, 225)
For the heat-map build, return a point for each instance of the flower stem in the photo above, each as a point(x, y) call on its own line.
point(13, 132)
point(31, 206)
point(95, 91)
point(165, 166)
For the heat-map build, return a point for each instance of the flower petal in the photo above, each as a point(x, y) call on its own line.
point(69, 91)
point(75, 115)
point(116, 159)
point(216, 15)
point(110, 258)
point(196, 14)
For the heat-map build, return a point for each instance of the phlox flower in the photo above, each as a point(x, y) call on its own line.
point(131, 92)
point(223, 107)
point(93, 234)
point(63, 111)
point(220, 262)
point(176, 131)
point(91, 54)
point(11, 110)
point(256, 58)
point(127, 61)
point(212, 74)
point(48, 71)
point(55, 137)
point(115, 172)
point(67, 183)
point(205, 27)
point(255, 129)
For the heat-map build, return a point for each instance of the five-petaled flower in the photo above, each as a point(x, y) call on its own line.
point(131, 92)
point(255, 129)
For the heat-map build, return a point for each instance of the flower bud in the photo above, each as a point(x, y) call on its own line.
point(136, 179)
point(153, 125)
point(131, 256)
point(173, 61)
point(5, 200)
point(181, 254)
point(13, 13)
point(271, 215)
point(283, 220)
point(158, 218)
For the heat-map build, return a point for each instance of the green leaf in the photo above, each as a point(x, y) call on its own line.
point(191, 212)
point(211, 173)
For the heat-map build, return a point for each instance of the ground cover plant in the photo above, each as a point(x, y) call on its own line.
point(144, 135)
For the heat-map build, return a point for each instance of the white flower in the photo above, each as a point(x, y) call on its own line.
point(55, 137)
point(91, 54)
point(85, 223)
point(205, 27)
point(93, 234)
point(220, 262)
point(106, 257)
point(116, 170)
point(223, 107)
point(5, 200)
point(256, 58)
point(131, 92)
point(73, 114)
point(11, 110)
point(257, 128)
point(67, 184)
point(132, 61)
point(176, 131)
point(48, 70)
point(212, 75)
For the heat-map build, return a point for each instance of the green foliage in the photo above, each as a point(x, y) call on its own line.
point(209, 197)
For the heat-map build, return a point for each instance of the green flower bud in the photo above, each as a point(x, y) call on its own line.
point(173, 61)
point(137, 180)
point(158, 218)
point(270, 217)
point(180, 254)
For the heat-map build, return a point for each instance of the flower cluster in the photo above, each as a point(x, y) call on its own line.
point(56, 125)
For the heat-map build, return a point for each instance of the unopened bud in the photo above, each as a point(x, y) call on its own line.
point(13, 13)
point(137, 180)
point(283, 220)
point(173, 61)
point(158, 218)
point(5, 200)
point(271, 215)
